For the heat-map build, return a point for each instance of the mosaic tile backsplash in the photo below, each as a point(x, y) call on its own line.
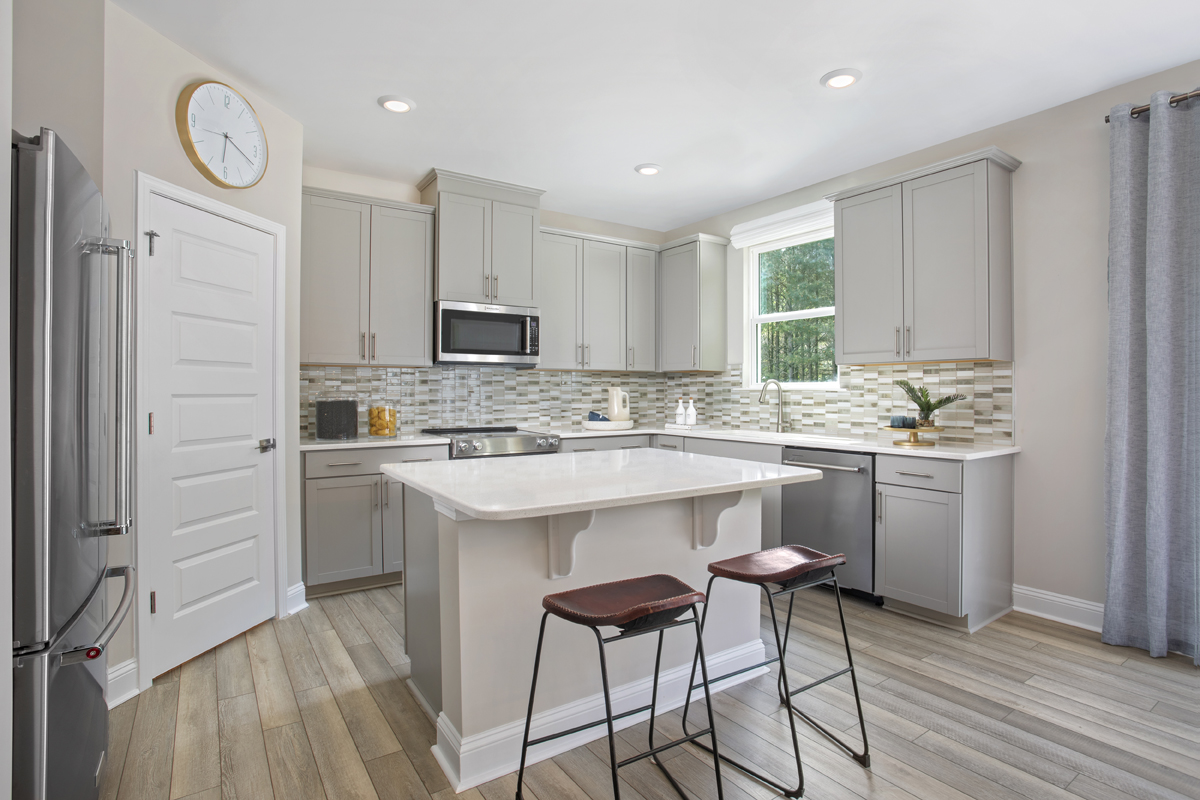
point(863, 402)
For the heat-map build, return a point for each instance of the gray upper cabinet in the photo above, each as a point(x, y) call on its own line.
point(401, 287)
point(868, 256)
point(488, 235)
point(366, 282)
point(464, 239)
point(558, 296)
point(641, 280)
point(691, 306)
point(924, 264)
point(335, 269)
point(604, 306)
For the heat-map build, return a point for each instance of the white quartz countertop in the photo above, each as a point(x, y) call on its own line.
point(858, 444)
point(561, 483)
point(309, 444)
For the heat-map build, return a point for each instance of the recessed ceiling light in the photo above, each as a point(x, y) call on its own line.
point(841, 78)
point(397, 104)
point(648, 169)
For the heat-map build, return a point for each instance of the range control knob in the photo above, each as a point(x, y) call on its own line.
point(543, 442)
point(477, 445)
point(554, 442)
point(461, 446)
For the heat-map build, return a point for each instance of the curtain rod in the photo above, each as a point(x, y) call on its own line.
point(1175, 100)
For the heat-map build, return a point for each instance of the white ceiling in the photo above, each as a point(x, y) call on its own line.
point(569, 96)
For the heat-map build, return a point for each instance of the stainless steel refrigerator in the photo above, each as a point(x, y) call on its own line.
point(72, 380)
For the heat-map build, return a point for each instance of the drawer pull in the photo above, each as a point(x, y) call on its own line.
point(584, 450)
point(631, 447)
point(914, 474)
point(345, 464)
point(669, 446)
point(822, 466)
point(415, 460)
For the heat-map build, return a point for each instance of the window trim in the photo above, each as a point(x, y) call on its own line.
point(750, 355)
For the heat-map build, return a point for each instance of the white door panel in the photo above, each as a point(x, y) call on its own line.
point(206, 492)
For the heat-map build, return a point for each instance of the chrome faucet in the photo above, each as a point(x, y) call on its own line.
point(762, 398)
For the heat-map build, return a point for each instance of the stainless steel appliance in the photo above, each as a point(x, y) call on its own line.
point(482, 333)
point(72, 400)
point(495, 441)
point(835, 514)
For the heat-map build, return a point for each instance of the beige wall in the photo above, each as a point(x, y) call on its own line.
point(143, 75)
point(58, 75)
point(1060, 238)
point(557, 219)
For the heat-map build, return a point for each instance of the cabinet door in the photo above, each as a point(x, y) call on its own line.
point(641, 271)
point(604, 306)
point(464, 248)
point(918, 547)
point(515, 231)
point(401, 287)
point(558, 295)
point(946, 264)
point(393, 525)
point(335, 265)
point(679, 308)
point(868, 257)
point(343, 528)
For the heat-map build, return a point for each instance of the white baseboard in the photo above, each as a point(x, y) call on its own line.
point(486, 756)
point(1059, 607)
point(295, 599)
point(122, 682)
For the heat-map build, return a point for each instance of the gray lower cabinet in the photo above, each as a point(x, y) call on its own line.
point(344, 526)
point(772, 496)
point(589, 443)
point(943, 537)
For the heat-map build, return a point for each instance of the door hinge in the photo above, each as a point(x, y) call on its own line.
point(153, 604)
point(153, 235)
point(151, 422)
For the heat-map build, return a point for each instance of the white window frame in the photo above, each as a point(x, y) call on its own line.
point(750, 377)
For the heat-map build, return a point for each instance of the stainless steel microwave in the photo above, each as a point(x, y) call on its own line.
point(482, 333)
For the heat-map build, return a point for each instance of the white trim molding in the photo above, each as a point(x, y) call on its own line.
point(296, 601)
point(486, 756)
point(695, 237)
point(793, 222)
point(122, 683)
point(597, 237)
point(993, 154)
point(1058, 607)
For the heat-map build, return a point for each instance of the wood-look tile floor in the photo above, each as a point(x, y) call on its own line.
point(315, 706)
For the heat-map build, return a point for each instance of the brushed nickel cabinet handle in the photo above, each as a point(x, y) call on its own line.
point(415, 460)
point(495, 286)
point(897, 340)
point(345, 464)
point(693, 356)
point(879, 505)
point(387, 493)
point(668, 446)
point(914, 474)
point(373, 347)
point(362, 346)
point(908, 340)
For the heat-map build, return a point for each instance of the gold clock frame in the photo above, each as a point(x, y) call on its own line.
point(185, 138)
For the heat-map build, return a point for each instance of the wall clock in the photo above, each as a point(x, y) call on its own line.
point(221, 134)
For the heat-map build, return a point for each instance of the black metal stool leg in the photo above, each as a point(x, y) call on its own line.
point(687, 703)
point(612, 736)
point(712, 722)
point(781, 644)
point(537, 662)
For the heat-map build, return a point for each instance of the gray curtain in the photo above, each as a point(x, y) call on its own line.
point(1153, 438)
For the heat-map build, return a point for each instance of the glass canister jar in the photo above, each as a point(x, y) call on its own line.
point(337, 416)
point(382, 417)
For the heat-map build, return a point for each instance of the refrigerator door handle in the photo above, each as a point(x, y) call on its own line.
point(92, 651)
point(123, 485)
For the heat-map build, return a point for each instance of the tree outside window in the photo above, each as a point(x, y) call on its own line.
point(792, 321)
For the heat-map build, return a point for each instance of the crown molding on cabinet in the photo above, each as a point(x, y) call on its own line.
point(436, 173)
point(595, 237)
point(793, 222)
point(993, 154)
point(695, 237)
point(362, 198)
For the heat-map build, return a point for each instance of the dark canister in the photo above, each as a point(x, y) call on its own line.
point(337, 416)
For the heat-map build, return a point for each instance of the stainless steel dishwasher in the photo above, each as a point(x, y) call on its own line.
point(835, 514)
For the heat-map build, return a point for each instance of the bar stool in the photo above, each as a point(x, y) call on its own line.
point(636, 606)
point(791, 568)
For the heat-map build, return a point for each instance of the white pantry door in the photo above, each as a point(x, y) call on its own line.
point(206, 492)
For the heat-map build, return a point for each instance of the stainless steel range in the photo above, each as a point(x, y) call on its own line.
point(495, 441)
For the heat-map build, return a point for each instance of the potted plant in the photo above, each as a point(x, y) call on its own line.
point(925, 404)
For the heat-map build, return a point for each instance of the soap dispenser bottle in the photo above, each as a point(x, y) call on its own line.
point(691, 413)
point(680, 413)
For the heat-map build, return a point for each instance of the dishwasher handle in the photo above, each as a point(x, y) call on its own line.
point(833, 467)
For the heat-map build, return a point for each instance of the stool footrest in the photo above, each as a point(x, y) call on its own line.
point(587, 725)
point(819, 681)
point(727, 675)
point(667, 746)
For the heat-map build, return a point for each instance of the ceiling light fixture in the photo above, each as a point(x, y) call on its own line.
point(397, 104)
point(648, 169)
point(841, 78)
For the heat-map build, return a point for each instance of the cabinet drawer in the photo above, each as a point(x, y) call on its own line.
point(369, 461)
point(920, 473)
point(590, 443)
point(669, 443)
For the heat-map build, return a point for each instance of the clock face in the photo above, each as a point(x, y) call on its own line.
point(221, 134)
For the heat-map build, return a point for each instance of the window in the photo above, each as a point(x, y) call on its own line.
point(790, 299)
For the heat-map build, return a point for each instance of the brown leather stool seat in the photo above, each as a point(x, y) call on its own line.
point(777, 565)
point(624, 603)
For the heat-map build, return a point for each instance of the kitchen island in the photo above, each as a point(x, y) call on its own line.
point(501, 533)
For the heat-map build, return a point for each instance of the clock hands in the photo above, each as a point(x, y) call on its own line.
point(229, 141)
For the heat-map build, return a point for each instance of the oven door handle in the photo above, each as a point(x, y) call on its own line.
point(822, 466)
